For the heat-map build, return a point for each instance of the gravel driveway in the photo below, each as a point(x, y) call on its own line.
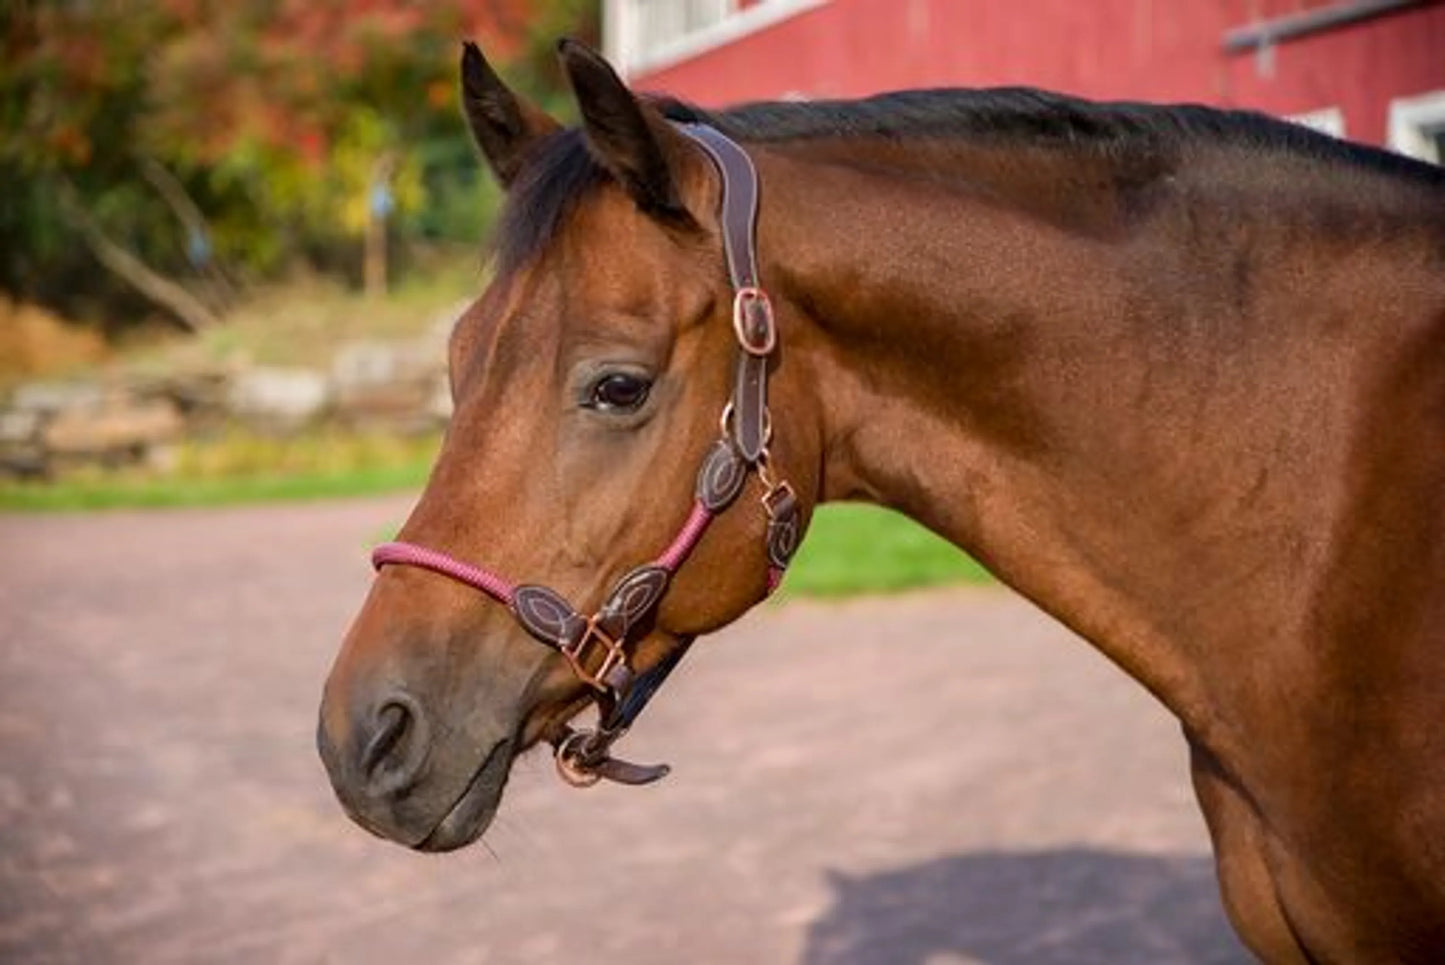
point(936, 778)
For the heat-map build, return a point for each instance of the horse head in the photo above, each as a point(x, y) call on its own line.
point(611, 424)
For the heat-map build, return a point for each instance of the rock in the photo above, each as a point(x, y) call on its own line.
point(57, 396)
point(194, 391)
point(439, 404)
point(399, 407)
point(21, 453)
point(439, 331)
point(278, 397)
point(121, 424)
point(361, 366)
point(18, 426)
point(372, 386)
point(380, 385)
point(24, 463)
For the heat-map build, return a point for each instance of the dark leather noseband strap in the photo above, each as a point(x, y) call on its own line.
point(597, 647)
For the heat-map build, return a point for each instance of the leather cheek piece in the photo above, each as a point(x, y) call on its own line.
point(750, 407)
point(635, 596)
point(784, 530)
point(721, 477)
point(547, 616)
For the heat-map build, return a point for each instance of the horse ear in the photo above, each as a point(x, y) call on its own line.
point(505, 126)
point(630, 140)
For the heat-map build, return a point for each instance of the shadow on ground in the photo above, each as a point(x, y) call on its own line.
point(1065, 907)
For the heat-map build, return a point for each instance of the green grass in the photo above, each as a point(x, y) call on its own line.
point(241, 468)
point(853, 549)
point(165, 492)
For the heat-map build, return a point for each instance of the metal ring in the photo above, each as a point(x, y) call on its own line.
point(569, 767)
point(725, 423)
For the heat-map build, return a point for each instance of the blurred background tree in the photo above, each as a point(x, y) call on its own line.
point(162, 157)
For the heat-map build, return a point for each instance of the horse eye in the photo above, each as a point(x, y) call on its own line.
point(618, 392)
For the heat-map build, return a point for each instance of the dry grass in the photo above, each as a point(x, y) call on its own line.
point(35, 342)
point(297, 323)
point(302, 322)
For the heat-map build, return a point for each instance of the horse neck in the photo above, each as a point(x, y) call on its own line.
point(1078, 374)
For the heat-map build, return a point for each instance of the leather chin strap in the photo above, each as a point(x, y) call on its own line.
point(597, 647)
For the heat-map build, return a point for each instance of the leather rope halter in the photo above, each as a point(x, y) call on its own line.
point(596, 647)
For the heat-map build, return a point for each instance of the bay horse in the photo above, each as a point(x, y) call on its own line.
point(1176, 375)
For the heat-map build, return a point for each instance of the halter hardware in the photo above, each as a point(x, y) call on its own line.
point(753, 321)
point(573, 757)
point(615, 658)
point(725, 426)
point(746, 429)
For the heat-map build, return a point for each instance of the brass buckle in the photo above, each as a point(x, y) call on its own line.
point(777, 494)
point(756, 339)
point(577, 656)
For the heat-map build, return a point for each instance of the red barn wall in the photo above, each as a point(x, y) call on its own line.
point(1160, 50)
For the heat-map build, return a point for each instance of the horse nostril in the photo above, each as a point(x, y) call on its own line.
point(397, 747)
point(392, 721)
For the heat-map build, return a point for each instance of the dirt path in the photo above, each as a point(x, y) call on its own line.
point(945, 777)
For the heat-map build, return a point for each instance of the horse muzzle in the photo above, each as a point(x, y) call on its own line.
point(396, 778)
point(423, 713)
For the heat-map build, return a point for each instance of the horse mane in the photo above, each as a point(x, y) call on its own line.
point(562, 172)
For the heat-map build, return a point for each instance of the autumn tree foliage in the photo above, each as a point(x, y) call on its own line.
point(199, 144)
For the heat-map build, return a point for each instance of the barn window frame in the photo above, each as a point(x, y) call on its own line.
point(1417, 126)
point(628, 45)
point(1327, 120)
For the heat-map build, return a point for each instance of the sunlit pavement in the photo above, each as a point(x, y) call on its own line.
point(936, 778)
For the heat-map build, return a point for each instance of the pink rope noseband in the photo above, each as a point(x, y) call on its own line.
point(682, 544)
point(501, 589)
point(410, 554)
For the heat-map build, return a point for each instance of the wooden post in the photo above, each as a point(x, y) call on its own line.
point(379, 203)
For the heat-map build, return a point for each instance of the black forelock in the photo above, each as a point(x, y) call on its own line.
point(558, 174)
